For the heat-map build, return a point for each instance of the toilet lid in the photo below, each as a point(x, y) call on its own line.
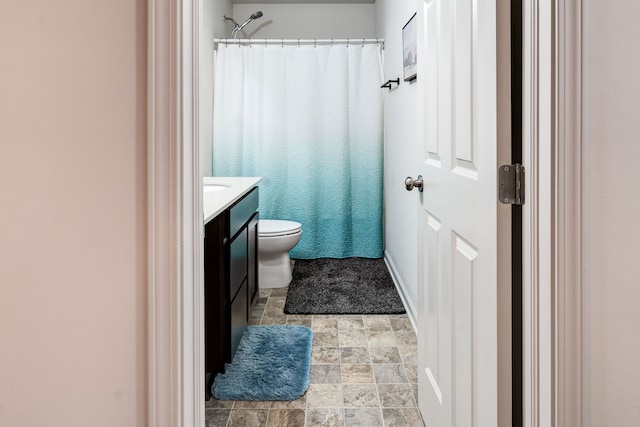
point(277, 227)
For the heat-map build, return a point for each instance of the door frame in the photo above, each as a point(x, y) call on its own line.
point(555, 227)
point(175, 320)
point(571, 235)
point(554, 222)
point(536, 213)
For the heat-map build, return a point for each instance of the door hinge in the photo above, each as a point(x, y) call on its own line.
point(511, 188)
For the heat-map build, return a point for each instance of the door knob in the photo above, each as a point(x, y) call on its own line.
point(410, 183)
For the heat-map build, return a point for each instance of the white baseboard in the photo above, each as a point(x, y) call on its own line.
point(402, 290)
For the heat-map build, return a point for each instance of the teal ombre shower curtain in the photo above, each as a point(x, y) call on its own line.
point(308, 119)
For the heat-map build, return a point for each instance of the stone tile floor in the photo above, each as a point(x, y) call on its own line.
point(363, 373)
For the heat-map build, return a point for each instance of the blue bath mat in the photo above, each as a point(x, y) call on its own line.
point(271, 363)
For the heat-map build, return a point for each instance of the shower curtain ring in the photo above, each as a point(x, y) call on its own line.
point(282, 43)
point(347, 43)
point(331, 42)
point(298, 42)
point(363, 42)
point(315, 43)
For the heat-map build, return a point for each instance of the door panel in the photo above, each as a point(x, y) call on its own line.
point(462, 97)
point(461, 220)
point(463, 285)
point(433, 309)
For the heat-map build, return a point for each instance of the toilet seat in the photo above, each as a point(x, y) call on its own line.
point(277, 227)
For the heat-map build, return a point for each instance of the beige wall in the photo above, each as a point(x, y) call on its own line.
point(72, 213)
point(612, 96)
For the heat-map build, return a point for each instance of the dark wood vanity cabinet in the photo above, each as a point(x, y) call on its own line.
point(230, 280)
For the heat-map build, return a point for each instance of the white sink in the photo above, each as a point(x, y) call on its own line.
point(210, 188)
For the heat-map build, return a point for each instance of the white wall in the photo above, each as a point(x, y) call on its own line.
point(73, 213)
point(401, 142)
point(212, 26)
point(612, 93)
point(302, 21)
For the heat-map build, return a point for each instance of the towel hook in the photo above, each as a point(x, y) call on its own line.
point(388, 83)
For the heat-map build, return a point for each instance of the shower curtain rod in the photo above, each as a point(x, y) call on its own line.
point(282, 42)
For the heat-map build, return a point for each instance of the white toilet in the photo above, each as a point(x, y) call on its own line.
point(275, 239)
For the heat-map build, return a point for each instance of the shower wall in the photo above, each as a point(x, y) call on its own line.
point(350, 20)
point(211, 26)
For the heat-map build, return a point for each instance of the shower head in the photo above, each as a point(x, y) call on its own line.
point(237, 28)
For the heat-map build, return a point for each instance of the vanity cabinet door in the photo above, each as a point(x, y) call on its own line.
point(237, 263)
point(252, 258)
point(238, 318)
point(237, 291)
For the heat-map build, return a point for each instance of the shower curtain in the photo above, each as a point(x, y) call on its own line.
point(308, 119)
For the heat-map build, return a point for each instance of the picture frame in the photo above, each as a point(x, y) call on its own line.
point(410, 49)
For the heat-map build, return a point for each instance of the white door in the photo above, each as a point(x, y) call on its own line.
point(460, 219)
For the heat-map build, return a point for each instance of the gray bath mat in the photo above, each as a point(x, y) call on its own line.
point(342, 286)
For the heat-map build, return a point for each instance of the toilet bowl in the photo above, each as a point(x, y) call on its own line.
point(275, 239)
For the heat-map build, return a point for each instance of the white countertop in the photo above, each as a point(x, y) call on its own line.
point(216, 202)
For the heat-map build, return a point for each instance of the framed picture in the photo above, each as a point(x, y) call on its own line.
point(410, 49)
